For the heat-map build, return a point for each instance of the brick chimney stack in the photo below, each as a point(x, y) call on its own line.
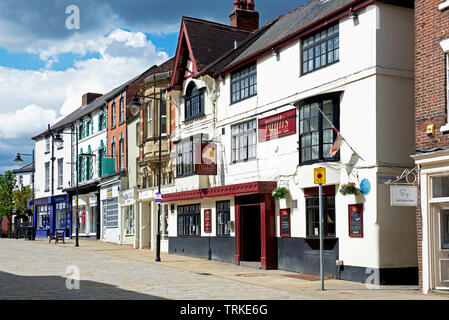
point(244, 17)
point(88, 98)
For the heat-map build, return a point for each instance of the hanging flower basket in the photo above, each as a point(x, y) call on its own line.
point(280, 193)
point(349, 188)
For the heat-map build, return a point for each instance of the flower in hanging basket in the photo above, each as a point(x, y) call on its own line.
point(349, 188)
point(280, 193)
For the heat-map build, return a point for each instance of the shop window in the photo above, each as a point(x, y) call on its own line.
point(189, 220)
point(244, 137)
point(93, 219)
point(312, 216)
point(440, 187)
point(316, 134)
point(129, 220)
point(110, 213)
point(43, 217)
point(62, 219)
point(223, 218)
point(320, 49)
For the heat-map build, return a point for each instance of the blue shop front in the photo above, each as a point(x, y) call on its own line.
point(52, 213)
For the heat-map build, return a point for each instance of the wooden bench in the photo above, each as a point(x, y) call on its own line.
point(58, 235)
point(8, 234)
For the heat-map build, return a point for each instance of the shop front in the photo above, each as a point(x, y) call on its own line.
point(87, 209)
point(130, 218)
point(52, 213)
point(111, 203)
point(233, 223)
point(433, 220)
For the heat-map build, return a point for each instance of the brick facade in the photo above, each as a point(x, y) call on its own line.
point(117, 128)
point(431, 27)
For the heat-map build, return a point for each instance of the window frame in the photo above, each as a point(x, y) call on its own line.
point(325, 216)
point(121, 117)
point(189, 97)
point(47, 177)
point(180, 156)
point(223, 208)
point(60, 173)
point(335, 98)
point(319, 43)
point(189, 213)
point(150, 119)
point(242, 77)
point(244, 134)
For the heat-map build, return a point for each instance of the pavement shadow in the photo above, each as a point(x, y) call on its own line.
point(18, 287)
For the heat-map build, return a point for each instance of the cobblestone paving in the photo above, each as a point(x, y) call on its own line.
point(37, 270)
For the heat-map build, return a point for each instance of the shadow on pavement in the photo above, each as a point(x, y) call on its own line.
point(17, 287)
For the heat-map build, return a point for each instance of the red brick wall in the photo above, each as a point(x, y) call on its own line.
point(115, 130)
point(431, 26)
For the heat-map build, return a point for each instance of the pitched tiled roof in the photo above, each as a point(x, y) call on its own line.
point(210, 40)
point(27, 168)
point(288, 25)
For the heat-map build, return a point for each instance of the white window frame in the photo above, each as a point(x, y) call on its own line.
point(444, 5)
point(150, 119)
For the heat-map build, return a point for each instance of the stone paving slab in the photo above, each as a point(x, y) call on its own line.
point(36, 270)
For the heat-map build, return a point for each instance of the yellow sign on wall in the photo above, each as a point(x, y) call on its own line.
point(320, 175)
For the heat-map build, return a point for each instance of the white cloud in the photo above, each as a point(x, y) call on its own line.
point(123, 55)
point(28, 120)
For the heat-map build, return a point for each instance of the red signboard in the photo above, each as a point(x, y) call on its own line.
point(206, 159)
point(279, 125)
point(208, 221)
point(285, 222)
point(355, 220)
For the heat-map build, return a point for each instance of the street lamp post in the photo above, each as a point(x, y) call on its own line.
point(59, 139)
point(135, 106)
point(19, 160)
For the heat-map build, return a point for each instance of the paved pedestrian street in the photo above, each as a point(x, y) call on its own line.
point(39, 270)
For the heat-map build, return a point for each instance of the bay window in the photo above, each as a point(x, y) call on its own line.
point(316, 135)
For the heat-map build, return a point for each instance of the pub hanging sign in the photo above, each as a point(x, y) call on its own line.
point(277, 126)
point(206, 159)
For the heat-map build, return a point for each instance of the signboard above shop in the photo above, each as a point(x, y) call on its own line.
point(277, 126)
point(404, 196)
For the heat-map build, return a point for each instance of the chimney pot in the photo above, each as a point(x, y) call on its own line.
point(89, 97)
point(242, 18)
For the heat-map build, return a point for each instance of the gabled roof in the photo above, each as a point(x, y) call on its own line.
point(203, 42)
point(27, 168)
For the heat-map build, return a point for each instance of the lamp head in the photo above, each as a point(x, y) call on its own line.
point(135, 105)
point(18, 159)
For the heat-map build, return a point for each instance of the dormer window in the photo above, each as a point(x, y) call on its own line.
point(194, 102)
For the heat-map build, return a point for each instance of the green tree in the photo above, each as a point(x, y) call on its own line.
point(21, 197)
point(7, 185)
